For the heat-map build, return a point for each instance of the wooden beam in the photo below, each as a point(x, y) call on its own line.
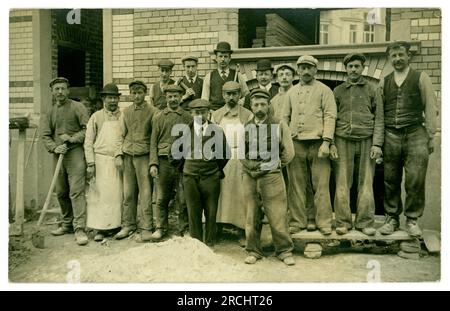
point(351, 235)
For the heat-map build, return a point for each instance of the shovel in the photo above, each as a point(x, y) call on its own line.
point(37, 238)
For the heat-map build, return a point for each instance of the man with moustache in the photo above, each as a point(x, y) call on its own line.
point(103, 138)
point(410, 120)
point(133, 159)
point(63, 132)
point(167, 176)
point(214, 81)
point(262, 177)
point(157, 98)
point(191, 80)
point(310, 110)
point(357, 145)
point(231, 118)
point(264, 76)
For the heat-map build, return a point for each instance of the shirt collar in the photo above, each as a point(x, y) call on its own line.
point(227, 71)
point(231, 111)
point(178, 111)
point(258, 122)
point(62, 104)
point(361, 81)
point(267, 87)
point(194, 78)
point(141, 106)
point(112, 113)
point(310, 82)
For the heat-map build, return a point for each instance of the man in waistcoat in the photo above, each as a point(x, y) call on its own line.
point(214, 81)
point(264, 76)
point(410, 120)
point(157, 98)
point(191, 83)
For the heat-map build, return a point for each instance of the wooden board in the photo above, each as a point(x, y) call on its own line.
point(351, 235)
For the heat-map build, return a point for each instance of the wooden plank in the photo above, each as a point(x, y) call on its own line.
point(432, 241)
point(351, 235)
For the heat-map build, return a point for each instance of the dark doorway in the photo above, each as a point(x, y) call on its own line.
point(71, 65)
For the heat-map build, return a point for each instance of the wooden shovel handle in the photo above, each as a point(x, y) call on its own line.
point(50, 191)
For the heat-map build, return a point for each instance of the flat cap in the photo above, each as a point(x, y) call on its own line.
point(354, 56)
point(165, 63)
point(258, 92)
point(199, 103)
point(397, 44)
point(59, 80)
point(138, 82)
point(285, 65)
point(189, 57)
point(231, 86)
point(173, 88)
point(307, 59)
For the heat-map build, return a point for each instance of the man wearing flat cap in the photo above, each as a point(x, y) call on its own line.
point(214, 81)
point(103, 138)
point(63, 132)
point(231, 118)
point(264, 76)
point(310, 110)
point(204, 157)
point(168, 178)
point(410, 120)
point(191, 83)
point(357, 145)
point(133, 159)
point(268, 148)
point(157, 97)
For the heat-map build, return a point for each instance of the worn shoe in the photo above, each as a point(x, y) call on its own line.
point(412, 228)
point(311, 226)
point(146, 235)
point(61, 231)
point(289, 261)
point(369, 231)
point(81, 237)
point(390, 226)
point(325, 231)
point(341, 230)
point(157, 235)
point(250, 260)
point(123, 233)
point(99, 237)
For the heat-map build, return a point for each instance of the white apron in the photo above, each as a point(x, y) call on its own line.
point(232, 207)
point(105, 194)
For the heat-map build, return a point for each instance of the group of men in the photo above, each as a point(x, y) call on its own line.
point(291, 136)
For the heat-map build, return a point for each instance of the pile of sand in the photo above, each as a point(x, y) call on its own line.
point(180, 259)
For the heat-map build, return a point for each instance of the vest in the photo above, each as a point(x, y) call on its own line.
point(197, 86)
point(159, 100)
point(216, 84)
point(403, 105)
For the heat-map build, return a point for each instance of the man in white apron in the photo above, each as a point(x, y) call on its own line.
point(103, 137)
point(232, 117)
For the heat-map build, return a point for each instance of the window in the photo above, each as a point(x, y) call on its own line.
point(369, 31)
point(352, 33)
point(323, 33)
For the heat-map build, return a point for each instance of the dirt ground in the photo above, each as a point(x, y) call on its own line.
point(183, 259)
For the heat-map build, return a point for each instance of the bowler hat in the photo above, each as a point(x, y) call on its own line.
point(138, 82)
point(165, 63)
point(173, 88)
point(59, 80)
point(354, 56)
point(258, 92)
point(263, 65)
point(110, 89)
point(223, 47)
point(199, 103)
point(307, 59)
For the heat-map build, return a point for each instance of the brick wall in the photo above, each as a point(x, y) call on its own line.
point(21, 90)
point(141, 37)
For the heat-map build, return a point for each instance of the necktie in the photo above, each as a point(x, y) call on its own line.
point(224, 75)
point(191, 81)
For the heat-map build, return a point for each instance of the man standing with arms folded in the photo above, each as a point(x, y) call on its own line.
point(410, 120)
point(310, 110)
point(63, 132)
point(358, 140)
